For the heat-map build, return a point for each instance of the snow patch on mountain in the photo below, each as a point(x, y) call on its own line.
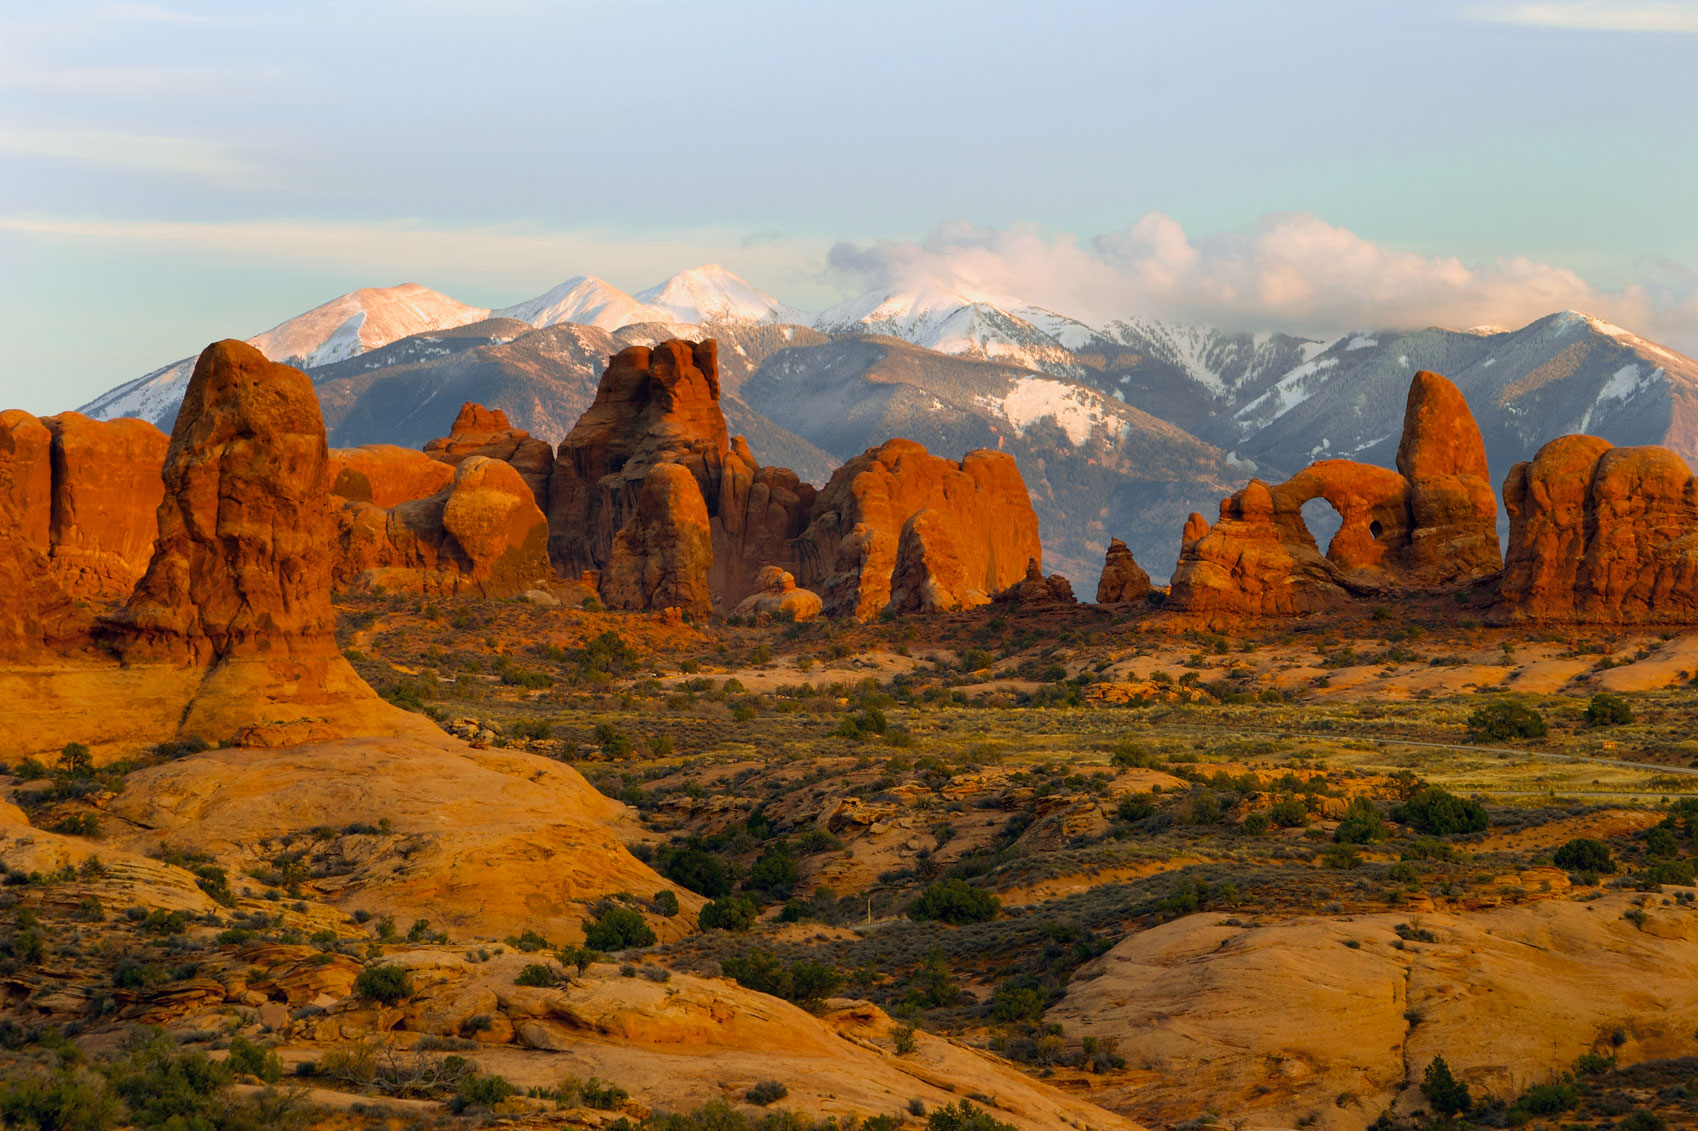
point(711, 293)
point(1076, 410)
point(586, 301)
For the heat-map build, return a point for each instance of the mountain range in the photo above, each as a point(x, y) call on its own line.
point(1120, 428)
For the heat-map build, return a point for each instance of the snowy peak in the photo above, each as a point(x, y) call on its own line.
point(951, 322)
point(586, 301)
point(711, 293)
point(362, 320)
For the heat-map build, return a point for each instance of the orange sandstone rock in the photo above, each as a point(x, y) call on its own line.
point(386, 475)
point(849, 552)
point(661, 556)
point(777, 595)
point(1123, 579)
point(1036, 589)
point(107, 487)
point(480, 431)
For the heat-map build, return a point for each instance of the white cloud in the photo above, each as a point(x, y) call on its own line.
point(185, 155)
point(1288, 271)
point(145, 81)
point(1594, 15)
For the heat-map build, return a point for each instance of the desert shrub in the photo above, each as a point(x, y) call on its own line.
point(766, 1092)
point(1497, 722)
point(528, 942)
point(617, 928)
point(1448, 1095)
point(1289, 813)
point(1583, 854)
point(1018, 999)
point(1549, 1099)
point(1606, 710)
point(384, 984)
point(774, 873)
point(1441, 813)
point(955, 902)
point(963, 1116)
point(694, 868)
point(250, 1059)
point(803, 982)
point(65, 1100)
point(479, 1090)
point(1136, 807)
point(537, 974)
point(733, 913)
point(1362, 823)
point(665, 902)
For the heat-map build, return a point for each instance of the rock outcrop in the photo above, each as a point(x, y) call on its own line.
point(1036, 589)
point(975, 542)
point(36, 614)
point(1601, 534)
point(483, 534)
point(1431, 523)
point(87, 493)
point(661, 556)
point(776, 595)
point(480, 431)
point(386, 475)
point(1123, 579)
point(239, 582)
point(661, 406)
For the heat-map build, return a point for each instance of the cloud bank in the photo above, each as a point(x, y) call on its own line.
point(1594, 15)
point(1289, 271)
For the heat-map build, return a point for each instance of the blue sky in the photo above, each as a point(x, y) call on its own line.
point(172, 173)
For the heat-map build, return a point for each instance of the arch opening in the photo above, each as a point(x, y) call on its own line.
point(1323, 522)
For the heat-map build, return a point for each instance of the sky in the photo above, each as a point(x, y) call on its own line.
point(173, 173)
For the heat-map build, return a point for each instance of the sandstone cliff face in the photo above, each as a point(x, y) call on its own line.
point(1601, 534)
point(483, 533)
point(1431, 523)
point(776, 595)
point(36, 614)
point(107, 487)
point(87, 493)
point(1123, 579)
point(761, 511)
point(661, 556)
point(980, 534)
point(480, 431)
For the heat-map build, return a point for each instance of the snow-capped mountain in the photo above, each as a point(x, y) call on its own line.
point(344, 327)
point(710, 293)
point(586, 301)
point(955, 323)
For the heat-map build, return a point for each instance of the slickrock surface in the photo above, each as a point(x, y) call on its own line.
point(1274, 1023)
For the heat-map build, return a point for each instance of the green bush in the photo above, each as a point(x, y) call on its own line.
point(956, 902)
point(1549, 1099)
point(700, 871)
point(617, 928)
point(479, 1090)
point(1362, 823)
point(1448, 1095)
point(665, 902)
point(963, 1116)
point(1441, 813)
point(766, 1092)
point(1498, 722)
point(1606, 710)
point(1289, 813)
point(1583, 854)
point(733, 913)
point(537, 974)
point(384, 984)
point(251, 1059)
point(63, 1101)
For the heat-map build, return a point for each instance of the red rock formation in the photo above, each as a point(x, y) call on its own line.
point(1601, 534)
point(36, 614)
point(761, 511)
point(242, 562)
point(1123, 579)
point(107, 487)
point(386, 475)
point(660, 558)
point(483, 533)
point(26, 476)
point(653, 406)
point(849, 552)
point(1036, 589)
point(1431, 524)
point(776, 595)
point(480, 431)
point(929, 575)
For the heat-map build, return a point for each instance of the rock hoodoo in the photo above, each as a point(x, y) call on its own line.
point(239, 582)
point(776, 595)
point(242, 563)
point(1123, 578)
point(480, 431)
point(975, 542)
point(1036, 589)
point(1601, 534)
point(1432, 522)
point(661, 556)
